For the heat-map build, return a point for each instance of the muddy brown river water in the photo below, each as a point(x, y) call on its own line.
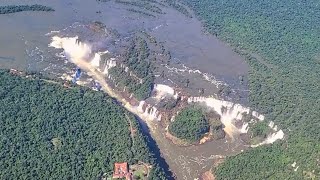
point(190, 162)
point(24, 43)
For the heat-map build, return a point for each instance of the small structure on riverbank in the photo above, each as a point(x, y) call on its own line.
point(77, 75)
point(121, 170)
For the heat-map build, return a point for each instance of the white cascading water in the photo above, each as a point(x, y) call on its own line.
point(150, 111)
point(273, 126)
point(79, 53)
point(229, 113)
point(163, 91)
point(257, 115)
point(96, 60)
point(74, 51)
point(271, 138)
point(140, 106)
point(109, 64)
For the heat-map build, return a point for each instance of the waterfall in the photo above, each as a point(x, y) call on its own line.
point(109, 64)
point(73, 49)
point(257, 115)
point(271, 138)
point(78, 53)
point(163, 91)
point(95, 62)
point(148, 111)
point(229, 113)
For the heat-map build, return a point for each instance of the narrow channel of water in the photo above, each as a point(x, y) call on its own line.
point(154, 147)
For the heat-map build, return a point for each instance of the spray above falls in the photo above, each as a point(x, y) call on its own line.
point(73, 49)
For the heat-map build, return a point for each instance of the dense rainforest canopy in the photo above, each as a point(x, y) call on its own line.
point(49, 131)
point(190, 125)
point(281, 42)
point(20, 8)
point(138, 78)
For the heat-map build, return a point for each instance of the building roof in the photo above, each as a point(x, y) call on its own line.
point(121, 170)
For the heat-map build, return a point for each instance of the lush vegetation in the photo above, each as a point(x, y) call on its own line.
point(190, 125)
point(260, 129)
point(20, 8)
point(48, 131)
point(281, 42)
point(138, 78)
point(259, 132)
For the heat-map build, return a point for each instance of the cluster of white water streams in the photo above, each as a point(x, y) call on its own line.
point(80, 53)
point(228, 111)
point(109, 64)
point(271, 138)
point(149, 111)
point(163, 91)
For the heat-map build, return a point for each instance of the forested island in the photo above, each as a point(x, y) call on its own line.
point(194, 125)
point(190, 125)
point(135, 75)
point(280, 41)
point(19, 8)
point(51, 131)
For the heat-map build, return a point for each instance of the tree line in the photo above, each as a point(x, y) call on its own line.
point(280, 42)
point(19, 8)
point(139, 78)
point(190, 124)
point(50, 131)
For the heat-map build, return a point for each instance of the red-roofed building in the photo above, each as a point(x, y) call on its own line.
point(121, 170)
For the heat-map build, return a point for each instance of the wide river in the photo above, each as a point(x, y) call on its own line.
point(24, 45)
